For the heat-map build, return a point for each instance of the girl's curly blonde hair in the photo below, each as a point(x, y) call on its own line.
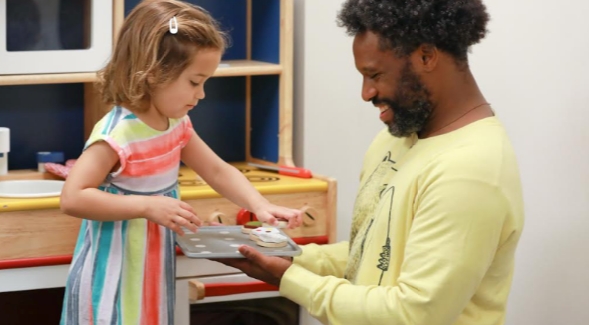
point(148, 55)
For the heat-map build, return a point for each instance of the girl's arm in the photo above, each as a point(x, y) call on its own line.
point(81, 197)
point(230, 182)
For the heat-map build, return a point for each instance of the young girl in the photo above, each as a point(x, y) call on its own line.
point(124, 185)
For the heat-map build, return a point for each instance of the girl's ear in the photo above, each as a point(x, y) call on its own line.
point(151, 80)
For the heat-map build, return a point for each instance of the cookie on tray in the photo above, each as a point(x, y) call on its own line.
point(281, 224)
point(255, 233)
point(249, 226)
point(270, 239)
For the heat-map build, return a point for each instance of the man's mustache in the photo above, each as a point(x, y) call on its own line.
point(379, 101)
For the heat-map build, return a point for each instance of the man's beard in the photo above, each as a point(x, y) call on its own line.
point(411, 104)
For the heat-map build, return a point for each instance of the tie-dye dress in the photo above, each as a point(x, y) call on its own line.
point(123, 272)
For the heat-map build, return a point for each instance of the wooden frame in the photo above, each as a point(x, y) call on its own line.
point(54, 78)
point(331, 207)
point(286, 82)
point(94, 109)
point(285, 126)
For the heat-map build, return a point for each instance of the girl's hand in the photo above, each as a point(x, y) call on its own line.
point(270, 214)
point(171, 213)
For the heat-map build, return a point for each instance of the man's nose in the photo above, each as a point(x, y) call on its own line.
point(368, 91)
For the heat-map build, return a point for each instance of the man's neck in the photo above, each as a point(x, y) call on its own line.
point(459, 102)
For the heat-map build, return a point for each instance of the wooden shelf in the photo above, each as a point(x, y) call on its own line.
point(55, 78)
point(229, 68)
point(27, 174)
point(234, 68)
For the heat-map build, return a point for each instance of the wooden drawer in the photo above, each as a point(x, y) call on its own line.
point(37, 233)
point(48, 232)
point(313, 203)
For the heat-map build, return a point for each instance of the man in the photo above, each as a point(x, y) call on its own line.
point(439, 211)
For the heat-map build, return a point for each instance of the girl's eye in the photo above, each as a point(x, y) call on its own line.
point(194, 83)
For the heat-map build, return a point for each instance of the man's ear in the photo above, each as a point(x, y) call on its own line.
point(426, 57)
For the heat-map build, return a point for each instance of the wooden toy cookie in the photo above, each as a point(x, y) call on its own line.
point(281, 224)
point(255, 233)
point(248, 227)
point(270, 239)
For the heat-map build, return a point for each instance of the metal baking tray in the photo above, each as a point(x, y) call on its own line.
point(223, 241)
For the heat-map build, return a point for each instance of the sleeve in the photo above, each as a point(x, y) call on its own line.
point(324, 259)
point(114, 138)
point(451, 243)
point(187, 124)
point(331, 259)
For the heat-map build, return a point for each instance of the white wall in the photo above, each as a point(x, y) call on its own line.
point(533, 68)
point(333, 126)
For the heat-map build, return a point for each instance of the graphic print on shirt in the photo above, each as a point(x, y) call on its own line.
point(385, 255)
point(366, 202)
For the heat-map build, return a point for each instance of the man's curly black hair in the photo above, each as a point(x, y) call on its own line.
point(403, 25)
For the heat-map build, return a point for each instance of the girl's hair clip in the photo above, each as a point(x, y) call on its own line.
point(173, 25)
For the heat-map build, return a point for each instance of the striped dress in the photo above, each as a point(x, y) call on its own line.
point(123, 272)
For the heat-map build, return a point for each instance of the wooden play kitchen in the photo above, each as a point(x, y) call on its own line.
point(246, 118)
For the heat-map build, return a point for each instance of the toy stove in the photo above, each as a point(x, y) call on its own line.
point(311, 195)
point(253, 175)
point(215, 291)
point(247, 117)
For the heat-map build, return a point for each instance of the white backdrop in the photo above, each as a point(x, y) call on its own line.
point(533, 68)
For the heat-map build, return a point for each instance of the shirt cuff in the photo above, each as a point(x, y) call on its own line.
point(297, 283)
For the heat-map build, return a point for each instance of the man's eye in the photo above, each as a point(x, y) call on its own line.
point(374, 76)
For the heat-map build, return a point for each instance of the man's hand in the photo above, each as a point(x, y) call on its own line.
point(256, 265)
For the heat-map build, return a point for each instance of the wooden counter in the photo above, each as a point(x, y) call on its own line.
point(35, 232)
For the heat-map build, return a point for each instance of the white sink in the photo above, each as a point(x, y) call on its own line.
point(30, 188)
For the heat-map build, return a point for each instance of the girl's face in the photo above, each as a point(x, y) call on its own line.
point(176, 98)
